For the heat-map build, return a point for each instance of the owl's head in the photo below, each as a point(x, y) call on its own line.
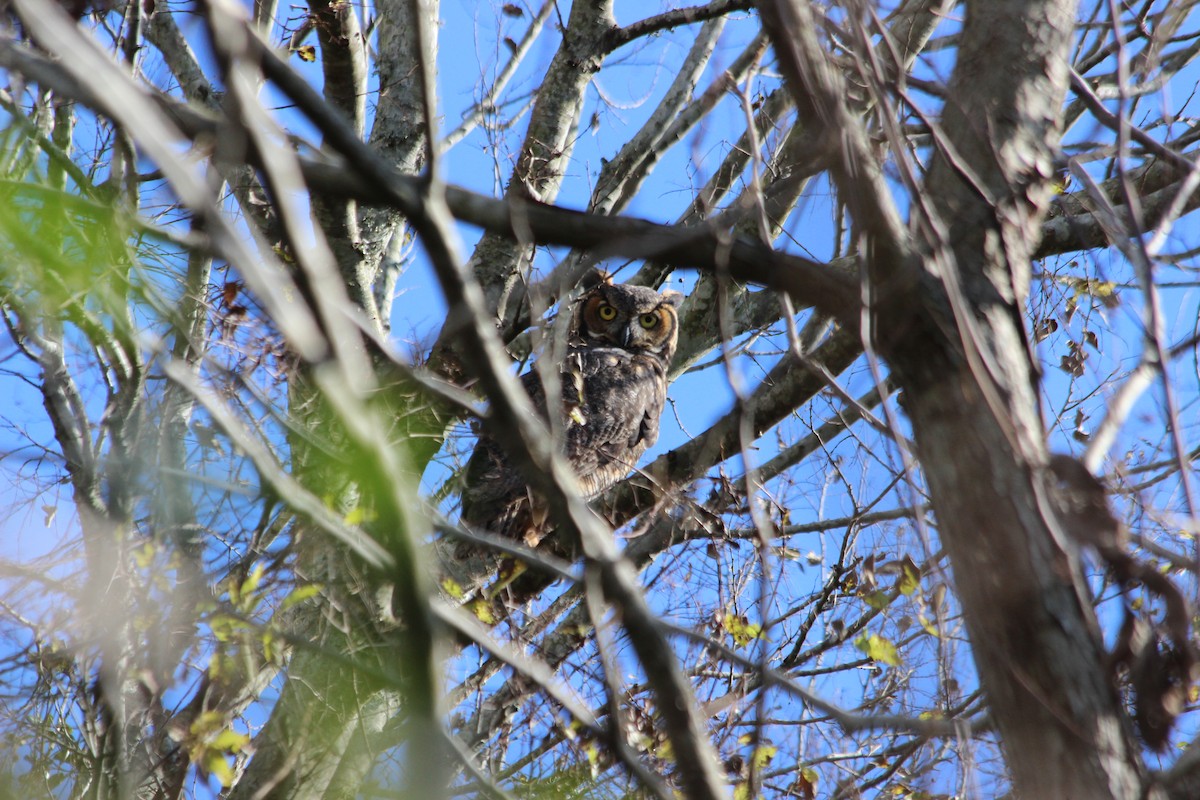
point(632, 318)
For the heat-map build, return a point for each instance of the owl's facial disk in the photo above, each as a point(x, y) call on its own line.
point(645, 331)
point(630, 317)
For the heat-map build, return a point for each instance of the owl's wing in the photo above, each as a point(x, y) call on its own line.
point(612, 401)
point(495, 497)
point(623, 399)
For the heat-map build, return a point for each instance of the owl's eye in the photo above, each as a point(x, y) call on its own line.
point(648, 320)
point(607, 313)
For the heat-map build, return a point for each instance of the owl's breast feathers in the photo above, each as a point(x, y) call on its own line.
point(611, 403)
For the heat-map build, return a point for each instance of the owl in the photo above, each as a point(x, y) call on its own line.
point(614, 386)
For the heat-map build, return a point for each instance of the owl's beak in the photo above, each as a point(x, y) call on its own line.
point(627, 336)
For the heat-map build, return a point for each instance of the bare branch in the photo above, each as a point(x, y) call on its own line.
point(619, 37)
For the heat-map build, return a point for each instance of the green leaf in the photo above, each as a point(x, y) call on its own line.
point(143, 556)
point(878, 649)
point(299, 595)
point(878, 600)
point(224, 626)
point(243, 597)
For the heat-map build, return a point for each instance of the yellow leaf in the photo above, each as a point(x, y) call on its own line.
point(206, 722)
point(593, 758)
point(1105, 291)
point(878, 649)
point(763, 755)
point(910, 577)
point(741, 629)
point(483, 612)
point(307, 52)
point(214, 763)
point(805, 785)
point(452, 588)
point(230, 741)
point(358, 515)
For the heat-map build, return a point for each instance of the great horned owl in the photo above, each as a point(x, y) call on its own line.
point(614, 386)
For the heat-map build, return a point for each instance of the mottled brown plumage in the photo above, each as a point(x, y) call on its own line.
point(614, 386)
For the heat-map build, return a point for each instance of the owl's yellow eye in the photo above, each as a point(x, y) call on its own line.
point(648, 320)
point(607, 312)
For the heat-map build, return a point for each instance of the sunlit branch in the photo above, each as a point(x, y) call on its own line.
point(536, 671)
point(610, 669)
point(835, 523)
point(619, 37)
point(847, 721)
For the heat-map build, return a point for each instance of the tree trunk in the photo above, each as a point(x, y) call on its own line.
point(958, 347)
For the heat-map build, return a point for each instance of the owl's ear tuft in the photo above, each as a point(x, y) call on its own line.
point(594, 278)
point(673, 297)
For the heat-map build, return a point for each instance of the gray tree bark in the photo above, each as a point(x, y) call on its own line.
point(946, 311)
